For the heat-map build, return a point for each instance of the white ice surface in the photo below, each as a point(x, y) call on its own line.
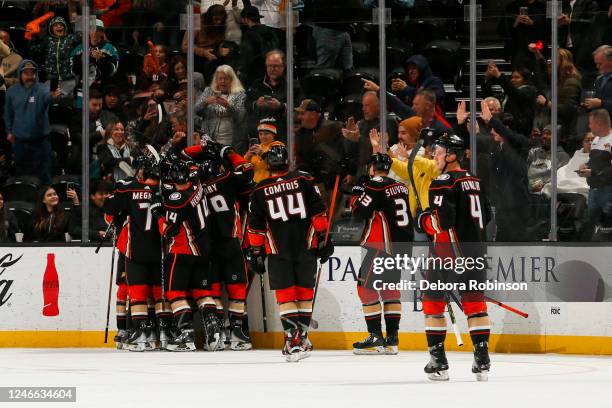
point(109, 378)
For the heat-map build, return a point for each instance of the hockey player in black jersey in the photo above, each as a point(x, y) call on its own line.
point(227, 182)
point(287, 223)
point(456, 221)
point(184, 223)
point(383, 203)
point(132, 198)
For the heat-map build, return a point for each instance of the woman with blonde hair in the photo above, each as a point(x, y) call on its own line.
point(222, 108)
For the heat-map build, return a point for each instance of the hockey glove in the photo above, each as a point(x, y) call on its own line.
point(420, 221)
point(324, 250)
point(256, 257)
point(156, 208)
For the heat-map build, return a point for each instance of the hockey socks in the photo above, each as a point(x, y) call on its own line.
point(304, 313)
point(393, 314)
point(289, 315)
point(372, 314)
point(480, 327)
point(435, 330)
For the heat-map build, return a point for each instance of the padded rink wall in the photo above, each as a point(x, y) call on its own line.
point(553, 325)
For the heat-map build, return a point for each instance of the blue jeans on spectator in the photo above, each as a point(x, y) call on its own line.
point(33, 158)
point(334, 48)
point(600, 204)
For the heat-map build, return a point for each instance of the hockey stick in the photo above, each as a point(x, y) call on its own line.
point(505, 306)
point(263, 303)
point(451, 313)
point(108, 229)
point(314, 323)
point(110, 285)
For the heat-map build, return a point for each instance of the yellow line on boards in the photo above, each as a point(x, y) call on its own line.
point(499, 343)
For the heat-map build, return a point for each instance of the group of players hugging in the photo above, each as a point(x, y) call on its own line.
point(192, 223)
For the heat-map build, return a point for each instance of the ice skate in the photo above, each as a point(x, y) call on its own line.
point(120, 339)
point(482, 363)
point(212, 332)
point(373, 344)
point(139, 337)
point(293, 346)
point(238, 339)
point(183, 342)
point(164, 334)
point(391, 344)
point(437, 368)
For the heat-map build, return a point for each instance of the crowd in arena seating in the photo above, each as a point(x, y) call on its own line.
point(138, 94)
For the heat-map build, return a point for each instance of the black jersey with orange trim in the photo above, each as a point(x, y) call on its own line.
point(225, 193)
point(187, 219)
point(385, 206)
point(286, 213)
point(460, 213)
point(132, 199)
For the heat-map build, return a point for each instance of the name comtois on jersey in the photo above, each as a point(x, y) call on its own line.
point(281, 187)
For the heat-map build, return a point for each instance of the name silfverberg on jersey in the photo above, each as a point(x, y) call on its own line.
point(141, 195)
point(470, 185)
point(394, 190)
point(281, 187)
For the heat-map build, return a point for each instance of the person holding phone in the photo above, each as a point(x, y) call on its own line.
point(267, 131)
point(524, 22)
point(51, 221)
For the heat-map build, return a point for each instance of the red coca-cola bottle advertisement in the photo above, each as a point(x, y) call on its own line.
point(50, 288)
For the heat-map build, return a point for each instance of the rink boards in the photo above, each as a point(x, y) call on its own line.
point(583, 325)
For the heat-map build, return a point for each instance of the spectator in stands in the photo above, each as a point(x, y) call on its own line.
point(520, 94)
point(222, 108)
point(568, 179)
point(524, 22)
point(56, 48)
point(113, 101)
point(152, 127)
point(9, 226)
point(100, 191)
point(331, 32)
point(267, 132)
point(177, 75)
point(26, 117)
point(568, 93)
point(232, 22)
point(113, 14)
point(508, 172)
point(9, 61)
point(319, 145)
point(257, 40)
point(115, 156)
point(51, 222)
point(539, 161)
point(418, 76)
point(99, 118)
point(103, 57)
point(603, 83)
point(267, 96)
point(357, 135)
point(598, 170)
point(408, 133)
point(271, 11)
point(576, 32)
point(211, 47)
point(424, 106)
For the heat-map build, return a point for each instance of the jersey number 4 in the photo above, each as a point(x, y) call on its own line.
point(292, 205)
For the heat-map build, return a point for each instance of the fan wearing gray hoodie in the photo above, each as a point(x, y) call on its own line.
point(26, 116)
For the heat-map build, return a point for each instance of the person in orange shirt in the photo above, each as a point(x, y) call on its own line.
point(267, 130)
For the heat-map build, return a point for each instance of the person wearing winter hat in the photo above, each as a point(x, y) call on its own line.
point(268, 132)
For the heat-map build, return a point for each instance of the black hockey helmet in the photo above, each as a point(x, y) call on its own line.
point(277, 157)
point(452, 143)
point(209, 168)
point(380, 161)
point(180, 172)
point(149, 166)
